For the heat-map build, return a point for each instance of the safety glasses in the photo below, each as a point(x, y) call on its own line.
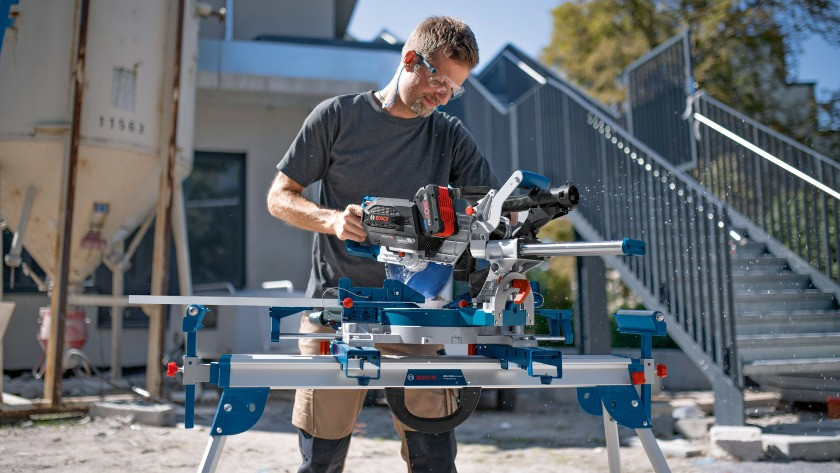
point(439, 80)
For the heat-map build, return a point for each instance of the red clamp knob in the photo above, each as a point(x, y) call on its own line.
point(347, 303)
point(661, 370)
point(463, 303)
point(171, 369)
point(469, 210)
point(637, 377)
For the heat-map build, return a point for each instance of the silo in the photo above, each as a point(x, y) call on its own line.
point(125, 120)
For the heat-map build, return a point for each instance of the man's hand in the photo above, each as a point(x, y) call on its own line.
point(286, 202)
point(348, 224)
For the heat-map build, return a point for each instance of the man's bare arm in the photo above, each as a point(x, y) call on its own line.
point(286, 202)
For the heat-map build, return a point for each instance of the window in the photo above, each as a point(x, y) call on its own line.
point(214, 196)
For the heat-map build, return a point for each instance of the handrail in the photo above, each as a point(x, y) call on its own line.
point(702, 95)
point(789, 191)
point(764, 154)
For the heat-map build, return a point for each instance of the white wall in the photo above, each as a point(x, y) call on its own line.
point(274, 250)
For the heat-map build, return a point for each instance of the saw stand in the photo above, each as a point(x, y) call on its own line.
point(614, 387)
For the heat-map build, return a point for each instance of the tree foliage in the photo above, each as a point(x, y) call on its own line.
point(742, 50)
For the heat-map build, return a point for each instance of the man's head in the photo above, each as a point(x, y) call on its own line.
point(437, 58)
point(443, 33)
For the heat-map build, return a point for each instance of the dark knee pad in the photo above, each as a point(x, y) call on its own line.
point(322, 455)
point(431, 453)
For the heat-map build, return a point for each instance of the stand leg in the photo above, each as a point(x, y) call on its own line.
point(611, 434)
point(657, 460)
point(212, 453)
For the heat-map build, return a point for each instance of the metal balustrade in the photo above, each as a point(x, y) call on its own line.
point(788, 190)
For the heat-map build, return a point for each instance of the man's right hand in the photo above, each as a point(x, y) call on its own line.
point(348, 224)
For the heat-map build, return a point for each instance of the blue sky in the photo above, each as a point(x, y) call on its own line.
point(527, 24)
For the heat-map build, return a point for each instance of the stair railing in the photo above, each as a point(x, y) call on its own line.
point(788, 190)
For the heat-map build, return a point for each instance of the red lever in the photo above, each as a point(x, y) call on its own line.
point(661, 370)
point(524, 289)
point(637, 377)
point(325, 347)
point(171, 369)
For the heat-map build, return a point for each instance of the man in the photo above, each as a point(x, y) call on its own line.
point(388, 143)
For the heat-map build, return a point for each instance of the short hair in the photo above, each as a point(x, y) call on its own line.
point(445, 33)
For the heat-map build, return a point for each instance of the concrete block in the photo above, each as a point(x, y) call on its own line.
point(695, 428)
point(672, 448)
point(743, 443)
point(679, 448)
point(802, 447)
point(147, 414)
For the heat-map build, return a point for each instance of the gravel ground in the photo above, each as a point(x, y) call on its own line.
point(541, 434)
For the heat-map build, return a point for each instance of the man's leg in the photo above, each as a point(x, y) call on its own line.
point(426, 453)
point(322, 455)
point(325, 417)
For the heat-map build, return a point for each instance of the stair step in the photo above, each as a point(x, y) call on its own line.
point(783, 301)
point(765, 264)
point(798, 366)
point(816, 321)
point(783, 281)
point(750, 248)
point(796, 346)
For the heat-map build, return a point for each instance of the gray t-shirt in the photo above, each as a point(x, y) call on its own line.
point(356, 149)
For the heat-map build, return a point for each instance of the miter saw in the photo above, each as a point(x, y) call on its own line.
point(456, 260)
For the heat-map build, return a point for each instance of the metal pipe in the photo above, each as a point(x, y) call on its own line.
point(548, 338)
point(117, 289)
point(28, 272)
point(13, 257)
point(572, 249)
point(163, 226)
point(228, 20)
point(182, 246)
point(322, 336)
point(138, 238)
point(55, 348)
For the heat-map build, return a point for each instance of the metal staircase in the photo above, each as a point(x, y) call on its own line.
point(784, 324)
point(783, 201)
point(739, 300)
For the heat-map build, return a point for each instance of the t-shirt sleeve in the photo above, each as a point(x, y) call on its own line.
point(469, 167)
point(308, 157)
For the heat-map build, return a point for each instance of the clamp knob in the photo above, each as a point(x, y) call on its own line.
point(638, 377)
point(172, 369)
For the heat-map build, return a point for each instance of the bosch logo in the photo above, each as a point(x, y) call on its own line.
point(426, 210)
point(411, 377)
point(426, 377)
point(380, 218)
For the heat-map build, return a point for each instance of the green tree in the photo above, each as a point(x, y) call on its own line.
point(742, 50)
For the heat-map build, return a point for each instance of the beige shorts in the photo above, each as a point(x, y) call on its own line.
point(331, 413)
